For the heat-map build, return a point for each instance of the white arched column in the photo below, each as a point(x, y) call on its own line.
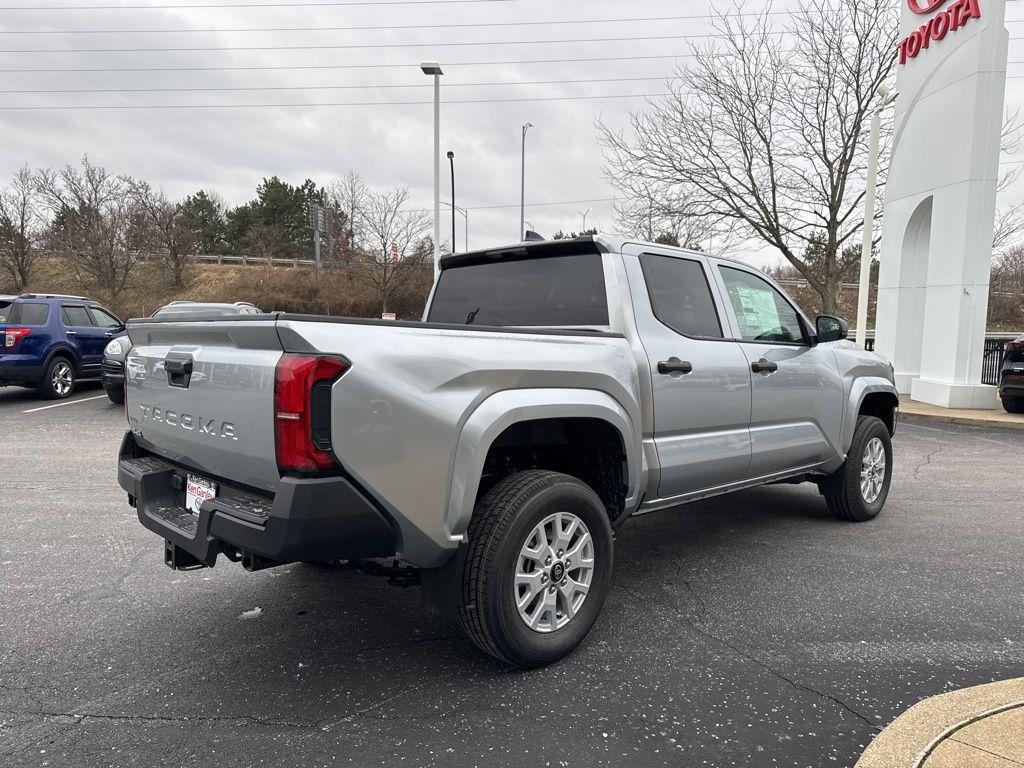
point(940, 202)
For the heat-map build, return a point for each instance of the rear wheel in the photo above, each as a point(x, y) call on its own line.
point(1013, 404)
point(536, 569)
point(858, 489)
point(58, 379)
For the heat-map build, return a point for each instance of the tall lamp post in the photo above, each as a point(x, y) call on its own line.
point(887, 97)
point(433, 69)
point(451, 162)
point(522, 187)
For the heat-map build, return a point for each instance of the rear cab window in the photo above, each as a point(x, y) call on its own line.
point(554, 292)
point(681, 295)
point(28, 313)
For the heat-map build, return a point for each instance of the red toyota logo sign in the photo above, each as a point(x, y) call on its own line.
point(924, 6)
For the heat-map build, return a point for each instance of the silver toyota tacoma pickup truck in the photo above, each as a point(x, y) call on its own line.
point(552, 390)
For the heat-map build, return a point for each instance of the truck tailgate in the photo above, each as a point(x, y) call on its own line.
point(202, 395)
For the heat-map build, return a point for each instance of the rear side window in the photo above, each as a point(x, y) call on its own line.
point(4, 310)
point(680, 295)
point(558, 291)
point(72, 316)
point(28, 313)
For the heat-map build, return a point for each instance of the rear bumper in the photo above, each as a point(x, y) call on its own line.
point(20, 369)
point(308, 519)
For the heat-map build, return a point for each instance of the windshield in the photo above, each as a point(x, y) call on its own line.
point(559, 291)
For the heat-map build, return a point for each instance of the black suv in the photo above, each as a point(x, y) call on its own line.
point(1011, 378)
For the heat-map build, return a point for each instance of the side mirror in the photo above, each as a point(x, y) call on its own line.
point(829, 328)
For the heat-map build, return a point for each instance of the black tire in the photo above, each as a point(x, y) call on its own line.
point(58, 371)
point(843, 489)
point(505, 517)
point(116, 395)
point(1013, 404)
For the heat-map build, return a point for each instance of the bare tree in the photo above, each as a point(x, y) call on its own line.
point(96, 226)
point(662, 214)
point(170, 229)
point(265, 242)
point(348, 195)
point(769, 131)
point(394, 244)
point(20, 220)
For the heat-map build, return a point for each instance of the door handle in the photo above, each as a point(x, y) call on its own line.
point(72, 333)
point(764, 366)
point(675, 365)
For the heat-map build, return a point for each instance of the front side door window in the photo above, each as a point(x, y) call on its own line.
point(762, 313)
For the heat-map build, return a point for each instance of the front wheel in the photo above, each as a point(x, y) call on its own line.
point(58, 380)
point(536, 569)
point(858, 489)
point(116, 394)
point(1013, 404)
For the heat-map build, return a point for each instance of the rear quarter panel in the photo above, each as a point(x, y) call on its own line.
point(399, 411)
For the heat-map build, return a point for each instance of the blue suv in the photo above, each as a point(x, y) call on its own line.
point(50, 342)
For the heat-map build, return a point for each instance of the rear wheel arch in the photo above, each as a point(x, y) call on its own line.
point(582, 433)
point(64, 352)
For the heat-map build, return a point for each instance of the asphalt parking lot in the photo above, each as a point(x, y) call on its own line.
point(750, 630)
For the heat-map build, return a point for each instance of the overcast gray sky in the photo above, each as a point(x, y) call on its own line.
point(230, 150)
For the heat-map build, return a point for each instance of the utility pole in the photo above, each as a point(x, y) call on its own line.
point(522, 188)
point(316, 215)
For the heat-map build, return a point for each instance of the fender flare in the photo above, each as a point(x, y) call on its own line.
point(861, 388)
point(503, 409)
point(65, 351)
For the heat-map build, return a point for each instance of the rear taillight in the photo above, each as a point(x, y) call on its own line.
point(1013, 346)
point(13, 336)
point(302, 411)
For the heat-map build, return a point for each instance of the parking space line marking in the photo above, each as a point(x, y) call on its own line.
point(69, 402)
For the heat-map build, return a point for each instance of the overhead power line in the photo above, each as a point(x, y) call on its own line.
point(353, 46)
point(326, 3)
point(373, 27)
point(402, 65)
point(35, 108)
point(374, 86)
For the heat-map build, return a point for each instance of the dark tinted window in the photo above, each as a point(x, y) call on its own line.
point(28, 313)
point(184, 313)
point(680, 295)
point(72, 316)
point(4, 309)
point(559, 291)
point(103, 319)
point(762, 312)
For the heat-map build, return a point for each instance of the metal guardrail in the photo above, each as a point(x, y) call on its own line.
point(991, 355)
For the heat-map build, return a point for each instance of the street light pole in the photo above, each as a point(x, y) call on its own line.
point(434, 69)
point(869, 216)
point(451, 162)
point(522, 186)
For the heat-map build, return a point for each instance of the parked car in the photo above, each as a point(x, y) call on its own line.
point(555, 389)
point(51, 342)
point(1011, 377)
point(112, 368)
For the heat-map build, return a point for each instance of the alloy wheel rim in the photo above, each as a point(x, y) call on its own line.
point(62, 378)
point(554, 571)
point(872, 471)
